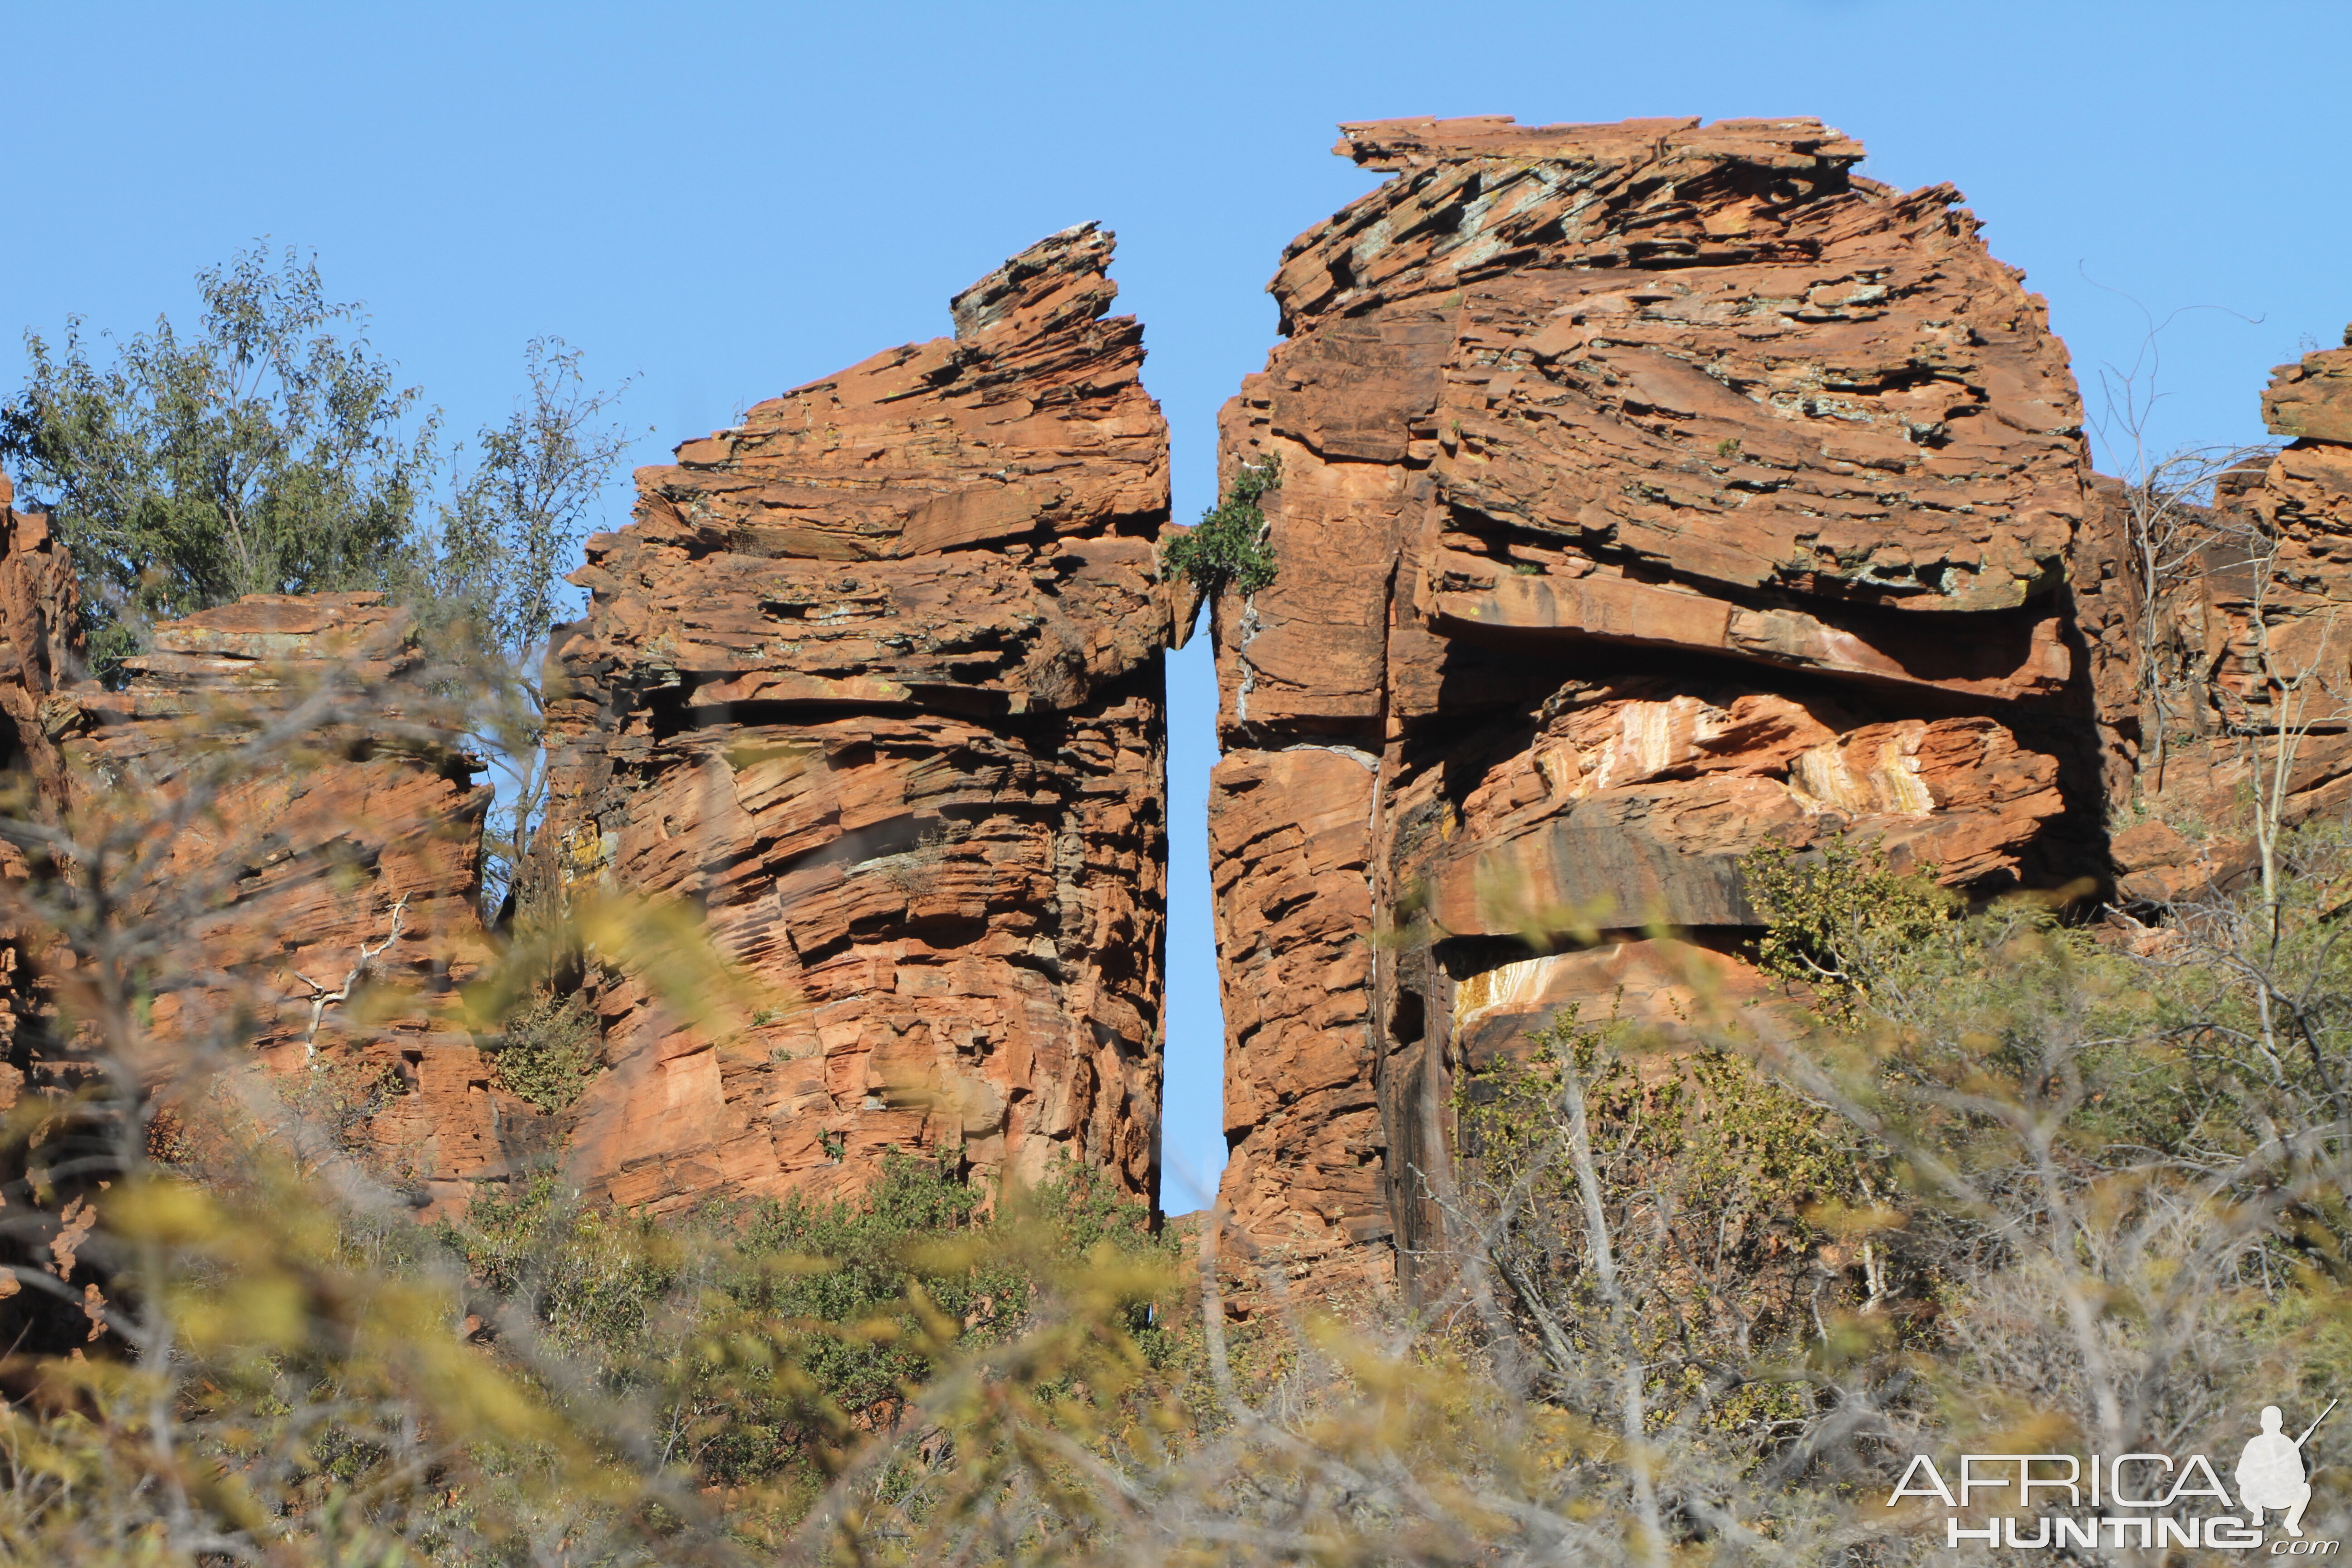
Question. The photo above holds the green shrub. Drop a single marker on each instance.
(1711, 1176)
(1843, 922)
(549, 1051)
(774, 1333)
(1228, 544)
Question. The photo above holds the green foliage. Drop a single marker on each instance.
(548, 1050)
(1719, 1185)
(1228, 544)
(261, 454)
(300, 1353)
(1753, 1156)
(2143, 1119)
(1844, 922)
(511, 528)
(265, 453)
(771, 1334)
(2018, 1176)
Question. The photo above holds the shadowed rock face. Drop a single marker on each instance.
(1647, 491)
(873, 679)
(40, 646)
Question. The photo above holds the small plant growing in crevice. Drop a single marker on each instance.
(1228, 544)
(915, 874)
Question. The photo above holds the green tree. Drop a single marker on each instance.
(486, 579)
(260, 454)
(512, 525)
(266, 454)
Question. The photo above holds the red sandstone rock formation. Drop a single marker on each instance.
(873, 680)
(2230, 656)
(1647, 491)
(315, 833)
(40, 645)
(40, 640)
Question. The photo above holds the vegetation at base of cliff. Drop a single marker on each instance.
(1698, 1296)
(1844, 922)
(1229, 544)
(770, 1335)
(1717, 1186)
(1791, 1255)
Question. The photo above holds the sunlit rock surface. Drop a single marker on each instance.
(873, 679)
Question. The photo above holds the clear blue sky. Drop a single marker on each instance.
(726, 200)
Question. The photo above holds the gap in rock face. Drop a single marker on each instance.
(1191, 1126)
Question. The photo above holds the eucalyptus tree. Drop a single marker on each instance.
(260, 453)
(271, 450)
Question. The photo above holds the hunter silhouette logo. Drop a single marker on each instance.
(2271, 1473)
(2150, 1501)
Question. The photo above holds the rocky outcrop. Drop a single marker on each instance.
(304, 830)
(873, 682)
(1637, 496)
(1290, 875)
(2227, 673)
(40, 650)
(40, 641)
(1647, 492)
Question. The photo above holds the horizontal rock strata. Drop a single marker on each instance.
(1638, 495)
(1646, 492)
(873, 682)
(1291, 881)
(311, 833)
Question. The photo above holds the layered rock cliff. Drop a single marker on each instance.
(1639, 494)
(1647, 492)
(873, 681)
(301, 833)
